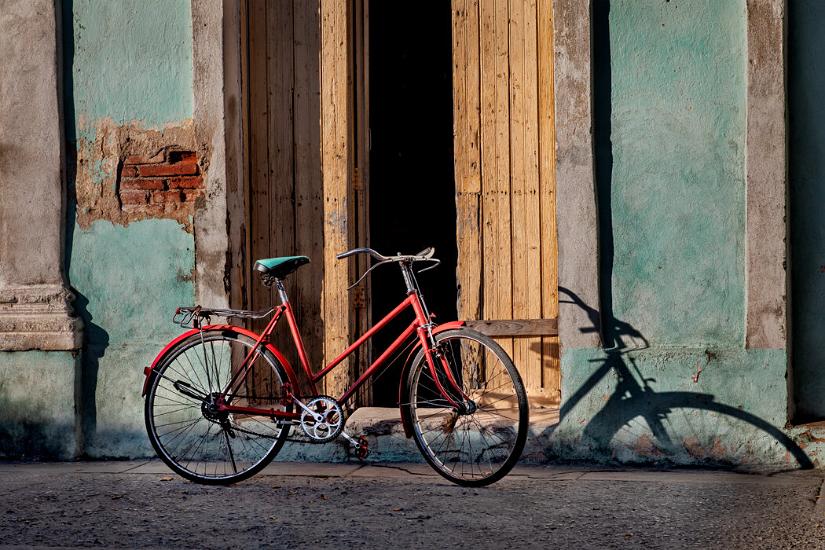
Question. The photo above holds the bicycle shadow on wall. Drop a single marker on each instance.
(634, 422)
(638, 424)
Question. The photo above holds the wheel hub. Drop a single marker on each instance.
(466, 408)
(210, 410)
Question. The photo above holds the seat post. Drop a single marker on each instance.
(281, 291)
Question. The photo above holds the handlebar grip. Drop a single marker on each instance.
(362, 250)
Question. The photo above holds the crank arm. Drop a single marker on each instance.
(351, 440)
(317, 417)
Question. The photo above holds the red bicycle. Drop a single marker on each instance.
(221, 400)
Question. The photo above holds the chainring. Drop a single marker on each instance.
(326, 422)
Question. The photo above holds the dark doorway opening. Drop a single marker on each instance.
(412, 186)
(806, 136)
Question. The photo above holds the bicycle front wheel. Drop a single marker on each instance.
(479, 445)
(193, 439)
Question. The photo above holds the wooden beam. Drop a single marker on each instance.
(515, 328)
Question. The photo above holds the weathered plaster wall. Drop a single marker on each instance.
(128, 91)
(806, 87)
(675, 381)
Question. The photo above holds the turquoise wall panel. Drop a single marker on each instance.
(675, 191)
(657, 405)
(128, 61)
(129, 281)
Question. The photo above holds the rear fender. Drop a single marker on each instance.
(231, 328)
(403, 389)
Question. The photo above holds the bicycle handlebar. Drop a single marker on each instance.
(425, 255)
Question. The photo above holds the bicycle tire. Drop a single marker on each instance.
(492, 437)
(195, 443)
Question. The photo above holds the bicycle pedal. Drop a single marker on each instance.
(362, 448)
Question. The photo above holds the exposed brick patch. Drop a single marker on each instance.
(166, 196)
(108, 180)
(160, 183)
(142, 183)
(133, 197)
(186, 183)
(129, 172)
(190, 195)
(188, 168)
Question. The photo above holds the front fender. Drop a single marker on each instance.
(406, 421)
(171, 345)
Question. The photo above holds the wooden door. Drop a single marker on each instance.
(285, 185)
(505, 187)
(299, 146)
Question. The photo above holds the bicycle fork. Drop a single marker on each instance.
(435, 357)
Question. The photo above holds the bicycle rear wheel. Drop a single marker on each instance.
(480, 445)
(193, 439)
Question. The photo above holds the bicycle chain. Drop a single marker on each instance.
(250, 432)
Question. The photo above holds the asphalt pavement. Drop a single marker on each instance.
(299, 505)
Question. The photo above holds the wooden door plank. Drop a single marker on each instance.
(551, 374)
(487, 95)
(518, 181)
(360, 189)
(258, 113)
(308, 187)
(501, 283)
(532, 219)
(335, 170)
(246, 182)
(459, 20)
(280, 78)
(466, 123)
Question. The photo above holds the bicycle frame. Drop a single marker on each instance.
(420, 325)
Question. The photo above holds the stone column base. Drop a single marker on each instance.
(38, 317)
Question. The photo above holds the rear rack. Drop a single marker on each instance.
(192, 317)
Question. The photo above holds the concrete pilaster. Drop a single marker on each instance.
(35, 310)
(767, 177)
(575, 182)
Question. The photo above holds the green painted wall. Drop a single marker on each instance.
(677, 189)
(37, 400)
(670, 96)
(130, 62)
(806, 88)
(129, 281)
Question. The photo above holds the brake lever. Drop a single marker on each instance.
(367, 272)
(436, 263)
